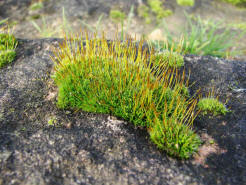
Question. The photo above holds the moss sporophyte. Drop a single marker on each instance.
(121, 79)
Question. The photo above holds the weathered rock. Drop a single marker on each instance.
(13, 9)
(84, 148)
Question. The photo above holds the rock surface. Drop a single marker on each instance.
(40, 144)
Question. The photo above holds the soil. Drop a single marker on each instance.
(41, 144)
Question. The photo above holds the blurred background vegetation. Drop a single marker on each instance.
(208, 27)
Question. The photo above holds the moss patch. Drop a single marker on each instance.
(8, 44)
(114, 79)
(211, 106)
(117, 15)
(156, 7)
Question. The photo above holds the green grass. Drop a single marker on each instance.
(119, 80)
(3, 21)
(202, 38)
(93, 29)
(44, 30)
(8, 44)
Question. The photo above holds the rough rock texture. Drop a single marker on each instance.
(14, 9)
(74, 8)
(40, 144)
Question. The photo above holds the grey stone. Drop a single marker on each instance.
(98, 149)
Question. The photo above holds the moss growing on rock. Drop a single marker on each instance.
(8, 44)
(116, 79)
(211, 106)
(6, 57)
(182, 143)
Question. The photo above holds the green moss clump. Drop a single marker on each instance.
(211, 106)
(182, 143)
(157, 8)
(6, 57)
(115, 79)
(8, 44)
(154, 10)
(143, 11)
(173, 59)
(7, 41)
(117, 15)
(186, 2)
(52, 121)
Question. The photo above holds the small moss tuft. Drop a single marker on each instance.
(117, 15)
(52, 121)
(7, 48)
(211, 106)
(157, 8)
(6, 57)
(182, 143)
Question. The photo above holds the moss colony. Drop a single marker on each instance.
(212, 106)
(146, 89)
(7, 49)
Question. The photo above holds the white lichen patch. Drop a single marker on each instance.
(208, 148)
(114, 123)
